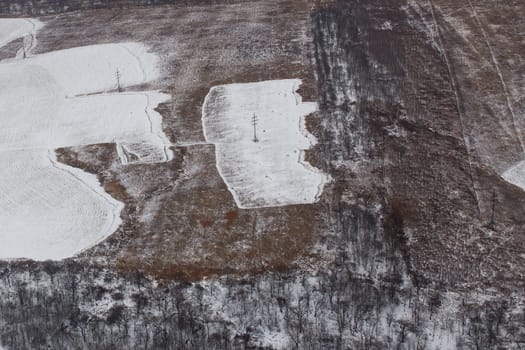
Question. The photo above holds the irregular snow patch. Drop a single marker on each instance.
(272, 171)
(49, 210)
(61, 99)
(387, 25)
(274, 340)
(516, 174)
(69, 98)
(93, 69)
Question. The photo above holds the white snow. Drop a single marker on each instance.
(14, 28)
(69, 98)
(272, 171)
(275, 340)
(387, 25)
(92, 69)
(50, 210)
(64, 98)
(47, 118)
(516, 174)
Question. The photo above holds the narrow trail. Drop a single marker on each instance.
(458, 106)
(191, 144)
(500, 75)
(32, 37)
(29, 42)
(166, 143)
(122, 153)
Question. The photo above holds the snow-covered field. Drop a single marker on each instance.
(69, 98)
(50, 210)
(61, 99)
(272, 171)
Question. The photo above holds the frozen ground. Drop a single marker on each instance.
(60, 99)
(272, 171)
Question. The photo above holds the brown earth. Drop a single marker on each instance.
(424, 127)
(438, 118)
(193, 227)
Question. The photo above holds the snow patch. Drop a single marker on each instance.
(516, 174)
(36, 113)
(49, 210)
(271, 171)
(275, 340)
(387, 25)
(61, 99)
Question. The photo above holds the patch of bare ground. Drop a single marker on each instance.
(180, 220)
(446, 167)
(416, 122)
(9, 50)
(488, 74)
(425, 132)
(484, 54)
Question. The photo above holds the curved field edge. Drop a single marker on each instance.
(56, 99)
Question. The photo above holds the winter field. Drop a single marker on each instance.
(60, 99)
(266, 169)
(417, 241)
(74, 97)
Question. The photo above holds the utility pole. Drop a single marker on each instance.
(492, 223)
(254, 122)
(118, 81)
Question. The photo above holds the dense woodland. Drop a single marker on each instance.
(68, 307)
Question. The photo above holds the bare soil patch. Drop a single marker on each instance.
(180, 220)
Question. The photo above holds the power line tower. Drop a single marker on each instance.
(254, 123)
(119, 88)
